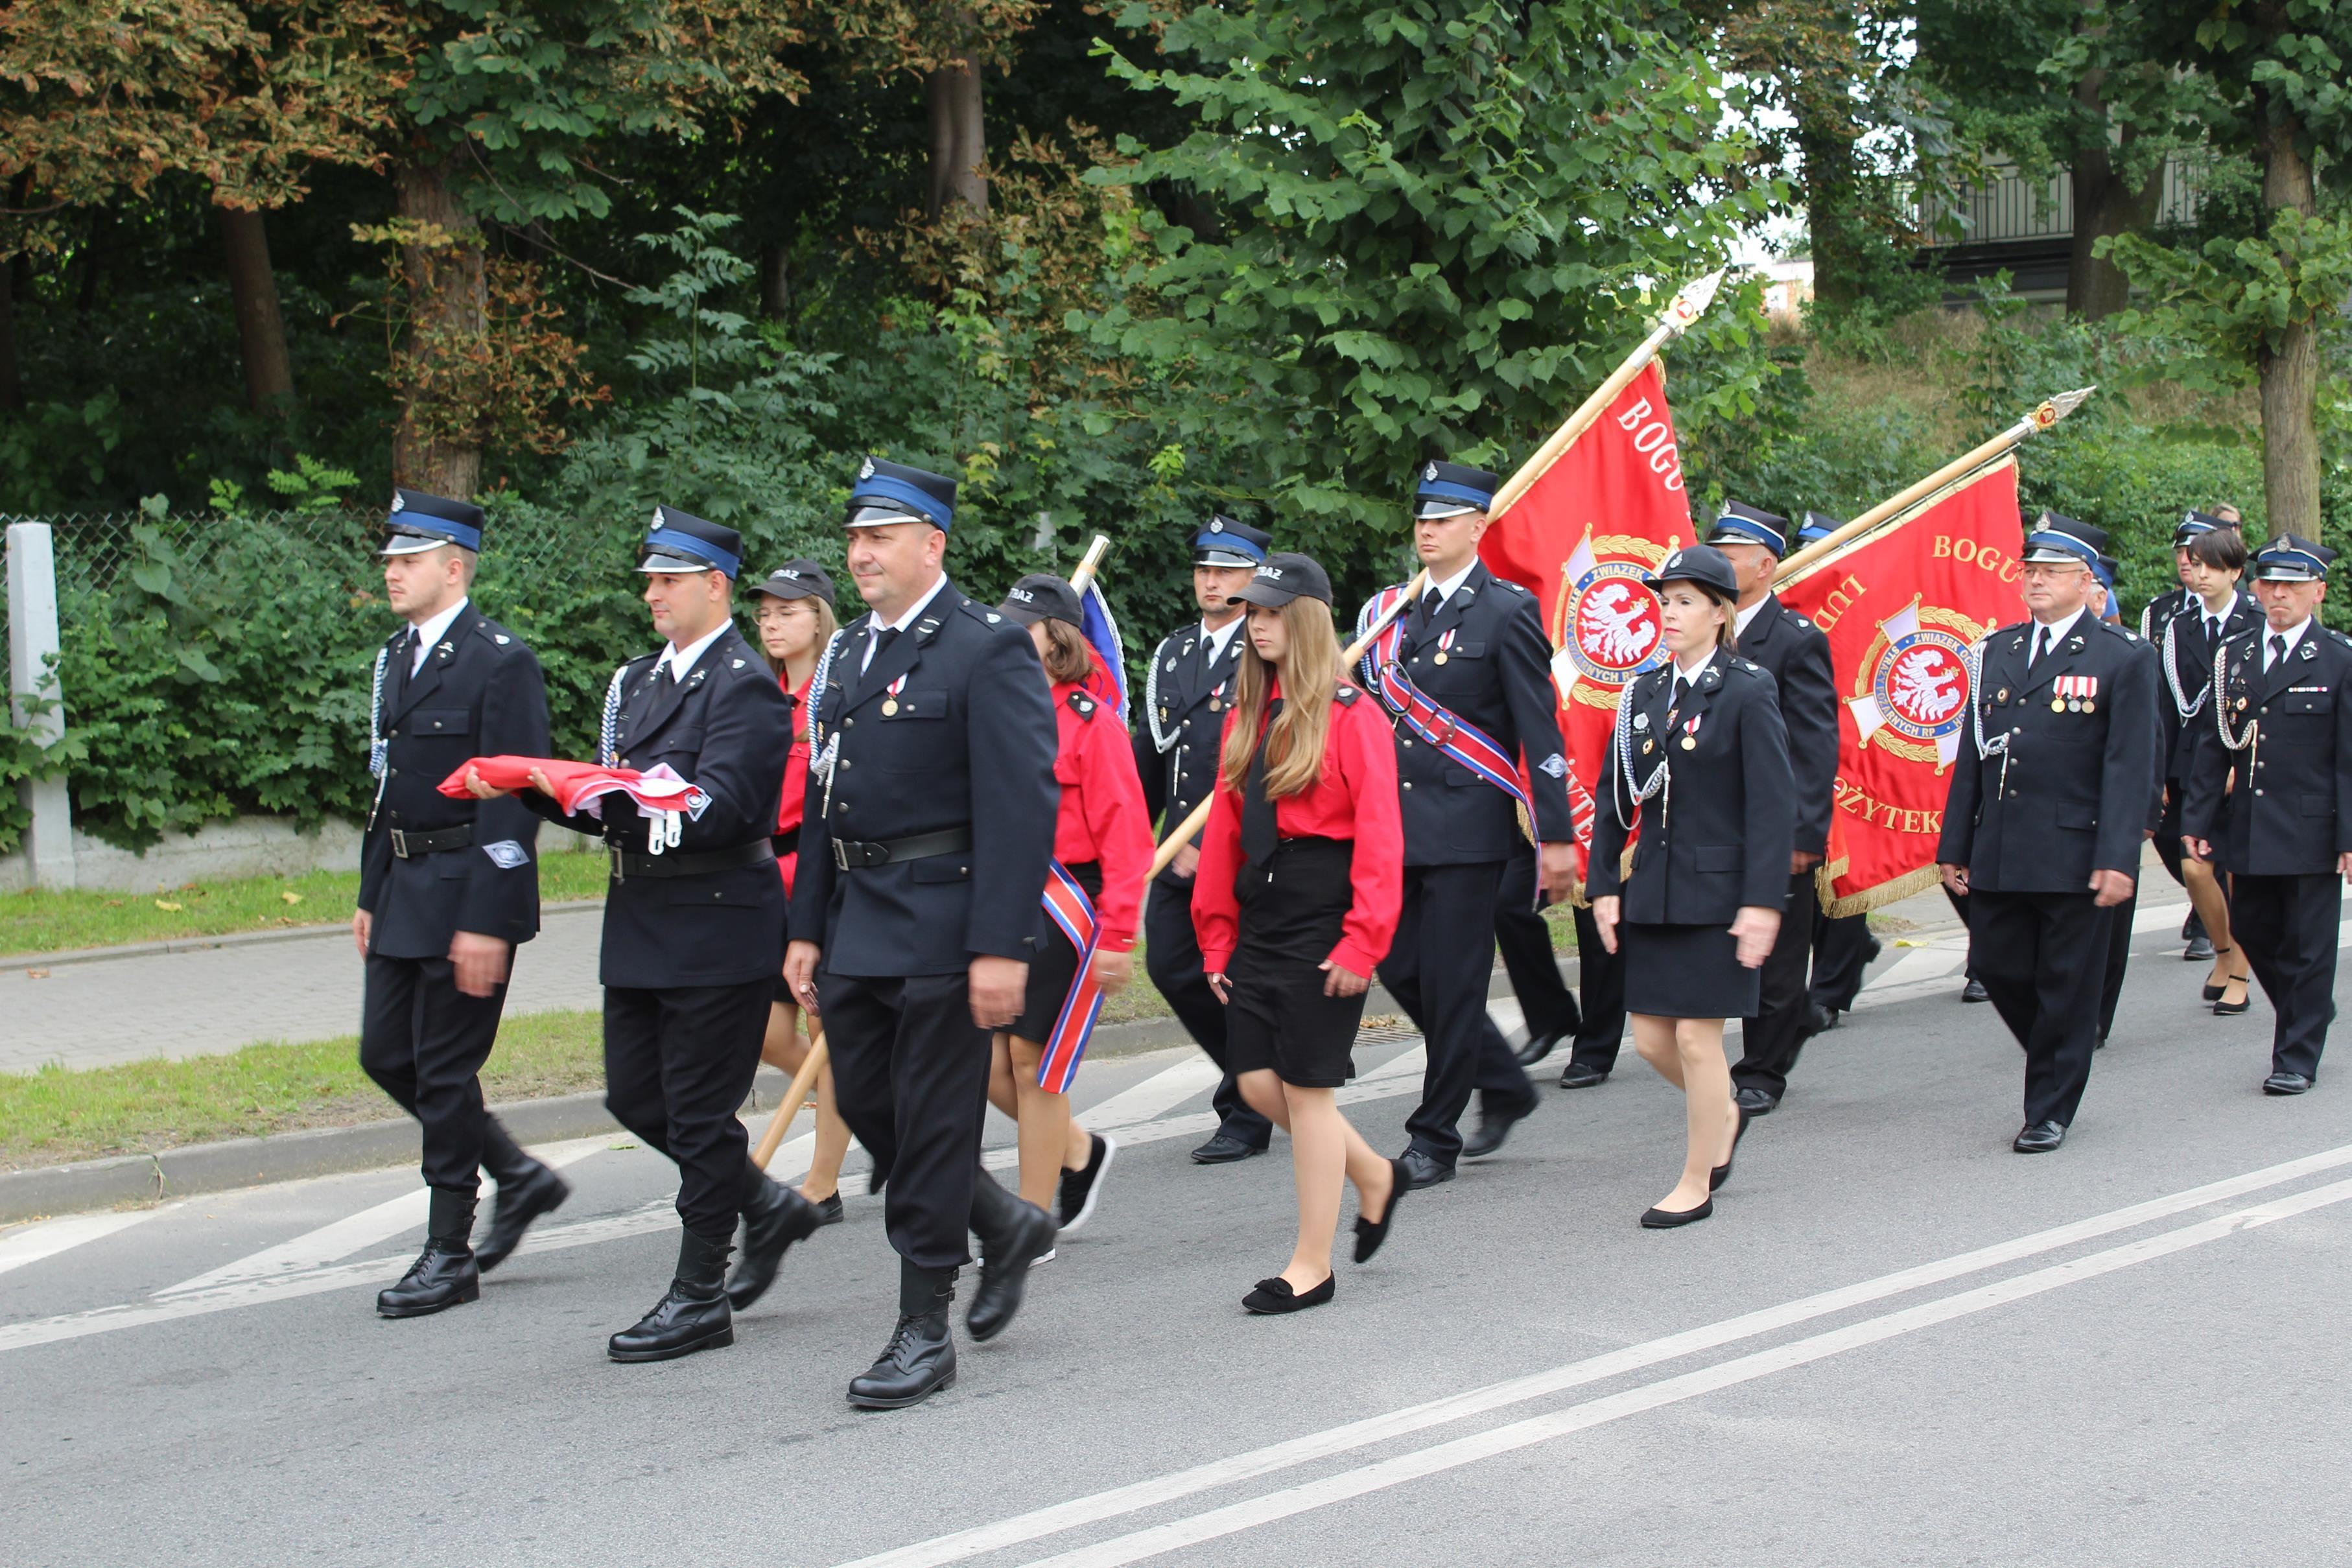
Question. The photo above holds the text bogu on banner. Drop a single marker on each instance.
(1606, 512)
(1901, 608)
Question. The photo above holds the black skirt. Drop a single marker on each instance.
(1686, 972)
(1292, 917)
(1056, 967)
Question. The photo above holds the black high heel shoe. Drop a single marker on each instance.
(1722, 1173)
(2213, 993)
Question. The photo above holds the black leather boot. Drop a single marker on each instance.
(527, 1189)
(444, 1274)
(920, 1358)
(774, 1217)
(1013, 1234)
(693, 1316)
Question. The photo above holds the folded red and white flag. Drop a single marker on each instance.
(658, 792)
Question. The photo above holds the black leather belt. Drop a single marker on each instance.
(408, 846)
(628, 863)
(786, 843)
(849, 854)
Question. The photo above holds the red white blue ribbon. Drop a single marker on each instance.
(1070, 909)
(1464, 743)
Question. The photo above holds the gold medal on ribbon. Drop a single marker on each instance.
(890, 706)
(1690, 743)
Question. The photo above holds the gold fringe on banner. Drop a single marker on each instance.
(1885, 892)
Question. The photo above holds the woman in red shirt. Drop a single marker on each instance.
(796, 620)
(1302, 872)
(1102, 839)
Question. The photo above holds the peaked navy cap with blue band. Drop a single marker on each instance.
(2194, 523)
(681, 542)
(2291, 558)
(1227, 542)
(886, 493)
(1742, 524)
(1450, 489)
(1818, 527)
(421, 521)
(2056, 539)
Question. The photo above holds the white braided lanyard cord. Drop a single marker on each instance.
(608, 734)
(1162, 739)
(2181, 703)
(1661, 778)
(379, 751)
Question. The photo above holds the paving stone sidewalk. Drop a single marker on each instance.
(214, 999)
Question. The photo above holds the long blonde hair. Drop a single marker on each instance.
(1294, 746)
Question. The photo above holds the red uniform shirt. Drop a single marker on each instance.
(795, 794)
(1102, 817)
(1355, 798)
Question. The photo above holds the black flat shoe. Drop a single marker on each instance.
(1722, 1173)
(1756, 1101)
(828, 1208)
(1583, 1075)
(1667, 1219)
(1539, 1046)
(2285, 1084)
(1224, 1149)
(1494, 1127)
(2212, 993)
(1974, 991)
(1274, 1296)
(2231, 1009)
(1370, 1233)
(2039, 1138)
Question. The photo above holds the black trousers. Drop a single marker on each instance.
(424, 1041)
(1524, 937)
(1600, 975)
(1438, 969)
(1841, 959)
(2043, 959)
(2119, 936)
(679, 1064)
(910, 1073)
(1172, 957)
(1777, 1033)
(2287, 926)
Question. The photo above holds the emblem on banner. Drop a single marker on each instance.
(1912, 691)
(1606, 623)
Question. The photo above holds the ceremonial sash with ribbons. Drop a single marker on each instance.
(1070, 909)
(1461, 742)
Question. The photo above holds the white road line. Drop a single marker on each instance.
(348, 1235)
(1158, 1491)
(31, 1243)
(1162, 1092)
(1461, 1451)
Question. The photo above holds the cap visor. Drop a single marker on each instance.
(883, 517)
(785, 589)
(1265, 593)
(1438, 511)
(1222, 557)
(1021, 614)
(2055, 558)
(675, 564)
(410, 544)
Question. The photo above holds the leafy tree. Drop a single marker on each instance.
(1439, 223)
(2277, 102)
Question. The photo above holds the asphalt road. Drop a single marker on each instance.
(1896, 1341)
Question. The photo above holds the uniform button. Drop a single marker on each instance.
(393, 735)
(1408, 784)
(847, 721)
(1408, 741)
(845, 762)
(2257, 791)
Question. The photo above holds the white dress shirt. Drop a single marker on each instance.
(873, 633)
(2293, 635)
(1445, 591)
(1219, 639)
(1740, 619)
(678, 661)
(2057, 630)
(432, 631)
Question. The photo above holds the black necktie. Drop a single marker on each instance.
(1259, 832)
(2212, 630)
(1431, 603)
(2041, 647)
(2278, 652)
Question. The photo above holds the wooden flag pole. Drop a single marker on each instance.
(1354, 651)
(1684, 310)
(781, 1121)
(2046, 414)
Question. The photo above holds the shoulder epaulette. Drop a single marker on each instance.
(982, 613)
(2341, 639)
(1082, 704)
(498, 635)
(1507, 583)
(1344, 696)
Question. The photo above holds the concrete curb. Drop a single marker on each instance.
(326, 1150)
(12, 962)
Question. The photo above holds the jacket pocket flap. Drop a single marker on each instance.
(930, 702)
(441, 721)
(685, 738)
(2076, 816)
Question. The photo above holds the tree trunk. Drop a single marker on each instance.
(959, 139)
(448, 305)
(12, 383)
(1833, 198)
(252, 297)
(775, 283)
(2104, 204)
(2290, 371)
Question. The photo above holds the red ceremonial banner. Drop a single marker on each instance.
(1902, 607)
(1608, 510)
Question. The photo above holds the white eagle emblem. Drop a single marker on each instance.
(1617, 625)
(1429, 472)
(1927, 686)
(657, 518)
(398, 504)
(865, 470)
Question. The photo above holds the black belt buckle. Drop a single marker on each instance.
(399, 843)
(849, 854)
(617, 853)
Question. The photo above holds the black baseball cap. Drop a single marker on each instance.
(1042, 596)
(801, 579)
(1287, 575)
(1705, 564)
